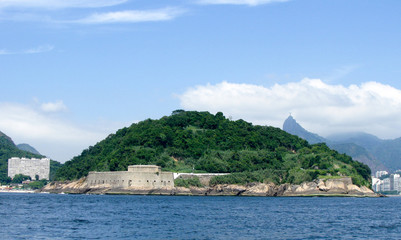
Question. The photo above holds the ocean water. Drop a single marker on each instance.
(48, 216)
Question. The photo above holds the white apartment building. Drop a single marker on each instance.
(31, 167)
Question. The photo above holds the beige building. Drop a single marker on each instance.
(141, 176)
(30, 167)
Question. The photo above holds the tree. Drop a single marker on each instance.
(19, 178)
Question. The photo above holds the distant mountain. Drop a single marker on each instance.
(365, 140)
(357, 145)
(387, 151)
(291, 126)
(28, 148)
(359, 154)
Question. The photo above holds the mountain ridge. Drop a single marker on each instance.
(28, 148)
(359, 145)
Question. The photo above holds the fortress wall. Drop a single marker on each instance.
(131, 179)
(144, 168)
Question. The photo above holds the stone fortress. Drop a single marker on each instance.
(31, 167)
(137, 176)
(149, 179)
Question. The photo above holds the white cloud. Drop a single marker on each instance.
(52, 136)
(132, 16)
(322, 108)
(39, 49)
(57, 106)
(57, 4)
(240, 2)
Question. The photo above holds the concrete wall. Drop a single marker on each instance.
(29, 167)
(151, 177)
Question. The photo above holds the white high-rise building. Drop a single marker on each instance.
(394, 182)
(381, 173)
(386, 185)
(30, 167)
(376, 182)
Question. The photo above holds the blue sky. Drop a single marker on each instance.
(73, 72)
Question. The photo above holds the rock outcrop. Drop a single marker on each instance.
(329, 187)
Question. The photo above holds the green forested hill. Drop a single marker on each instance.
(9, 150)
(200, 141)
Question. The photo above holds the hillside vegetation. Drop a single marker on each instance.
(199, 141)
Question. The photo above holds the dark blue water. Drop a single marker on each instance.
(45, 216)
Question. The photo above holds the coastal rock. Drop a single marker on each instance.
(320, 187)
(330, 187)
(226, 190)
(260, 189)
(78, 187)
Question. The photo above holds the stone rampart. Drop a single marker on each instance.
(151, 178)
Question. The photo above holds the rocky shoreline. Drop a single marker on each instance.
(330, 187)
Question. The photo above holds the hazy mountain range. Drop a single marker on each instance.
(28, 148)
(377, 153)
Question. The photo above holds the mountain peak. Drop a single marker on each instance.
(28, 148)
(291, 126)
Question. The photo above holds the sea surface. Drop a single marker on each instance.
(51, 216)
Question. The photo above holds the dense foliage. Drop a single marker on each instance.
(19, 178)
(200, 141)
(195, 182)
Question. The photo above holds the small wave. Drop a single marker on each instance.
(81, 221)
(386, 226)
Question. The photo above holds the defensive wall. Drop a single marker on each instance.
(30, 167)
(137, 176)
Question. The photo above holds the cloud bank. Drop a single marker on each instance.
(57, 4)
(132, 16)
(36, 50)
(325, 109)
(240, 2)
(57, 106)
(49, 134)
